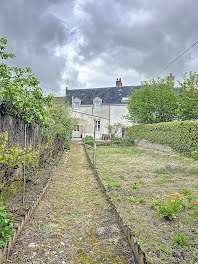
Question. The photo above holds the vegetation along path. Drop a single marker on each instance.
(73, 223)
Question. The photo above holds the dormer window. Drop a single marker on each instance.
(97, 103)
(76, 103)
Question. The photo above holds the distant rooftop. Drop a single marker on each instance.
(109, 95)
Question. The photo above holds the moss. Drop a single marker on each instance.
(12, 189)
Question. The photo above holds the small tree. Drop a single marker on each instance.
(154, 102)
(188, 98)
(113, 130)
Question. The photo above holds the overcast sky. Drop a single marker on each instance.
(89, 43)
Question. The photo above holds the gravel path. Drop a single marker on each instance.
(74, 223)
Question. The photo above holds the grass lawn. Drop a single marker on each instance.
(156, 194)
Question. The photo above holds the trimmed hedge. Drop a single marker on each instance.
(181, 136)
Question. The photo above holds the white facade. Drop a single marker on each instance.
(100, 114)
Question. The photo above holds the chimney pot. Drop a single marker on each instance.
(119, 82)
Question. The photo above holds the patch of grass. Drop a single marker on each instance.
(114, 185)
(168, 169)
(135, 186)
(180, 239)
(195, 186)
(161, 181)
(195, 213)
(115, 194)
(186, 192)
(141, 200)
(131, 199)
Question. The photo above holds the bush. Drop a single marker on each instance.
(89, 140)
(128, 142)
(181, 136)
(116, 140)
(194, 155)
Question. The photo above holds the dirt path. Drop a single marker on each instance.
(74, 223)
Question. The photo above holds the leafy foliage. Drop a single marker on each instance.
(116, 140)
(180, 239)
(14, 156)
(60, 125)
(188, 99)
(6, 225)
(89, 140)
(20, 94)
(154, 102)
(194, 155)
(170, 208)
(181, 136)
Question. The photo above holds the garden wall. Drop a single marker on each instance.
(15, 127)
(181, 136)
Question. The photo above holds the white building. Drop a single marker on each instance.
(99, 106)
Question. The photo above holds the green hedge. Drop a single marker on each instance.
(180, 136)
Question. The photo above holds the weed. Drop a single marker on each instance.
(180, 239)
(131, 199)
(154, 204)
(135, 186)
(186, 192)
(141, 200)
(119, 199)
(161, 181)
(114, 185)
(115, 194)
(195, 213)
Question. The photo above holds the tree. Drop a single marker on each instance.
(20, 94)
(154, 102)
(188, 98)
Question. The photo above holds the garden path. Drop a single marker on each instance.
(74, 223)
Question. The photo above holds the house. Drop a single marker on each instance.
(99, 106)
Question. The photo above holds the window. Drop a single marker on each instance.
(77, 128)
(97, 124)
(97, 104)
(76, 105)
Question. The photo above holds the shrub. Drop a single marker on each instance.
(180, 239)
(116, 140)
(6, 225)
(194, 155)
(181, 136)
(89, 140)
(128, 142)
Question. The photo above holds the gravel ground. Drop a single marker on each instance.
(74, 223)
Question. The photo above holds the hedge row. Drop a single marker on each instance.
(180, 136)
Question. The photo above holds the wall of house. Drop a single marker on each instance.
(115, 113)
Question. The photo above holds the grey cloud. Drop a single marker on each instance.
(34, 34)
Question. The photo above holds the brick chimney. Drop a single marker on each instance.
(119, 82)
(171, 77)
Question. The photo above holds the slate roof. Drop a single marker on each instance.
(109, 95)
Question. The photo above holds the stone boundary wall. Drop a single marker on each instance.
(5, 252)
(140, 255)
(147, 145)
(15, 127)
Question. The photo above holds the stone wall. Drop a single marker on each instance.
(15, 127)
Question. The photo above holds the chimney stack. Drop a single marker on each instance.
(119, 82)
(171, 78)
(66, 91)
